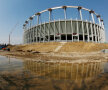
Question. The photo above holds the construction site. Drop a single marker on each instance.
(57, 64)
(63, 54)
(57, 50)
(89, 28)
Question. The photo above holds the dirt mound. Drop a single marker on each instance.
(83, 47)
(41, 47)
(67, 47)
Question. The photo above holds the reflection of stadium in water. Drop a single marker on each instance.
(65, 71)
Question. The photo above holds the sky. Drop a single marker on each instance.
(13, 14)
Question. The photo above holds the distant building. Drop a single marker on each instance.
(66, 30)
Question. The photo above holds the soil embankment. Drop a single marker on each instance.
(58, 51)
(67, 47)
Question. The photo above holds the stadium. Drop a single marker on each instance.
(64, 24)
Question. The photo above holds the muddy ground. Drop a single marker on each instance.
(73, 56)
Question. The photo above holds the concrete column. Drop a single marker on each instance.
(44, 33)
(30, 24)
(87, 30)
(30, 20)
(91, 12)
(80, 13)
(97, 30)
(40, 32)
(36, 34)
(91, 31)
(59, 29)
(98, 16)
(72, 29)
(26, 23)
(101, 34)
(104, 36)
(50, 10)
(92, 17)
(77, 29)
(23, 37)
(49, 32)
(24, 33)
(38, 19)
(103, 31)
(66, 30)
(28, 36)
(83, 31)
(27, 26)
(98, 33)
(54, 31)
(33, 34)
(65, 17)
(49, 16)
(102, 24)
(95, 33)
(37, 26)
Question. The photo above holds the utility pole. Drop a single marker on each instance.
(11, 32)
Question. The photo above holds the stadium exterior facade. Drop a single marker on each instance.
(66, 30)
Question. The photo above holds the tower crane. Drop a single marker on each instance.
(12, 31)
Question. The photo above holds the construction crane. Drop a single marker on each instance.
(12, 31)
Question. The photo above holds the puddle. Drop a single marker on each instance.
(15, 73)
(66, 71)
(10, 64)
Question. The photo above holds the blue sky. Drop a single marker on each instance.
(14, 12)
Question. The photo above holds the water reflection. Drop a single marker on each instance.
(106, 68)
(10, 64)
(67, 71)
(55, 70)
(41, 75)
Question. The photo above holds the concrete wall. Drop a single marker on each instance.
(69, 30)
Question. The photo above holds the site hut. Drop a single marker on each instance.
(81, 28)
